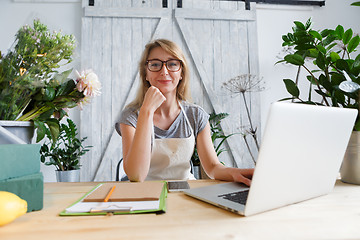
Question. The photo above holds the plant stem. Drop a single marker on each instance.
(297, 78)
(33, 114)
(248, 147)
(317, 83)
(252, 131)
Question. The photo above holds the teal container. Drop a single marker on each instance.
(17, 160)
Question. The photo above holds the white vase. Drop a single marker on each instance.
(16, 131)
(350, 168)
(68, 176)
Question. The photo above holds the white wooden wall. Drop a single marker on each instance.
(219, 39)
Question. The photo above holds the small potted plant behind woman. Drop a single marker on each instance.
(64, 152)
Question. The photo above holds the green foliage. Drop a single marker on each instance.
(327, 56)
(60, 93)
(26, 67)
(217, 136)
(29, 78)
(65, 151)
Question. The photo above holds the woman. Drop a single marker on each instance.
(159, 128)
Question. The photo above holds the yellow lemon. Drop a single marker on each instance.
(11, 207)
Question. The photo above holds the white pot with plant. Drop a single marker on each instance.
(333, 67)
(31, 86)
(64, 152)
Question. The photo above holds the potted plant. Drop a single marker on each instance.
(64, 152)
(31, 86)
(332, 65)
(217, 137)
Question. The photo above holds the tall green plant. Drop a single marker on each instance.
(329, 58)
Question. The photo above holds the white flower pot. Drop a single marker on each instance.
(68, 176)
(350, 168)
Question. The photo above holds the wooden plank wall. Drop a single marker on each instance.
(219, 39)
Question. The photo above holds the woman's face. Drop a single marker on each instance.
(166, 81)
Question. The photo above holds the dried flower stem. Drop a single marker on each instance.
(252, 130)
(248, 147)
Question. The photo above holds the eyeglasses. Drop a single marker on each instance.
(155, 65)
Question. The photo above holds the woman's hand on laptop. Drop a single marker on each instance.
(243, 175)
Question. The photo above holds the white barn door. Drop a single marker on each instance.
(219, 39)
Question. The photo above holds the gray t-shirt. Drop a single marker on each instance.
(178, 129)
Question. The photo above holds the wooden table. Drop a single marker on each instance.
(334, 216)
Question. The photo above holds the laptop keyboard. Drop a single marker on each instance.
(238, 197)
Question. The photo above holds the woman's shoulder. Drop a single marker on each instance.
(129, 116)
(188, 106)
(129, 110)
(194, 110)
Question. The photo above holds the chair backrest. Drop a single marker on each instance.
(118, 168)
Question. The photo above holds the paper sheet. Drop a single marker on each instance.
(82, 207)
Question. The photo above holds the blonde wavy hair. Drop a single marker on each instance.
(183, 89)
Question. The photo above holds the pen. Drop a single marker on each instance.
(109, 194)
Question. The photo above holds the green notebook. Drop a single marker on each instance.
(126, 198)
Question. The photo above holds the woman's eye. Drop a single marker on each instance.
(155, 64)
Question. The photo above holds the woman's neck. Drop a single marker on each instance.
(166, 114)
(168, 108)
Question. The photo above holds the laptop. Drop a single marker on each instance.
(300, 156)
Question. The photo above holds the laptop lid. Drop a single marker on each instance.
(300, 155)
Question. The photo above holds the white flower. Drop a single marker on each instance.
(88, 83)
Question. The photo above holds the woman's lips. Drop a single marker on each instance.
(164, 81)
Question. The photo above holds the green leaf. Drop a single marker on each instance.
(40, 130)
(324, 81)
(325, 32)
(280, 61)
(308, 23)
(320, 61)
(321, 49)
(315, 34)
(285, 38)
(54, 127)
(294, 59)
(342, 64)
(49, 94)
(356, 63)
(347, 36)
(61, 77)
(334, 56)
(313, 52)
(354, 42)
(328, 48)
(339, 31)
(66, 87)
(292, 88)
(299, 25)
(356, 4)
(329, 39)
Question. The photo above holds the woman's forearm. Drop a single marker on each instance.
(137, 160)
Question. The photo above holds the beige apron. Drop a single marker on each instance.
(170, 157)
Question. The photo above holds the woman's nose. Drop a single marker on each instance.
(164, 69)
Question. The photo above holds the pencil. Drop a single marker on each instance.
(109, 194)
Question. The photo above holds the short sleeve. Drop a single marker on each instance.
(197, 116)
(129, 117)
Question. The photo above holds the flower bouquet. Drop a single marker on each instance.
(31, 86)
